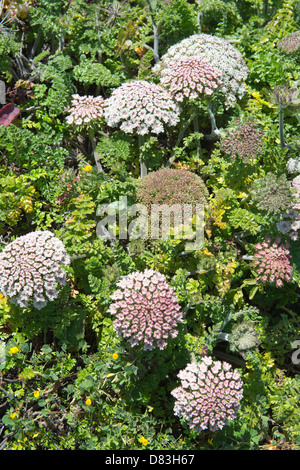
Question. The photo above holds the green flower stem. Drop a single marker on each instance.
(281, 131)
(143, 167)
(198, 142)
(214, 128)
(95, 154)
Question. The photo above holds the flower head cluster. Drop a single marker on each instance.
(146, 310)
(220, 54)
(190, 78)
(170, 186)
(272, 261)
(85, 110)
(290, 43)
(180, 190)
(293, 165)
(272, 193)
(244, 141)
(30, 268)
(142, 107)
(209, 395)
(290, 224)
(296, 189)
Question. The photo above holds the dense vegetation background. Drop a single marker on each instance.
(67, 381)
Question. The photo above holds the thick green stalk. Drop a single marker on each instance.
(281, 132)
(198, 143)
(95, 154)
(143, 167)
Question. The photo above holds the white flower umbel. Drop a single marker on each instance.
(221, 54)
(31, 267)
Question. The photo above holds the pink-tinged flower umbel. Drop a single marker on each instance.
(243, 141)
(209, 395)
(272, 262)
(85, 110)
(145, 310)
(290, 43)
(141, 107)
(218, 52)
(191, 78)
(31, 267)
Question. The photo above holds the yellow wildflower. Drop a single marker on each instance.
(13, 350)
(36, 393)
(114, 355)
(87, 168)
(88, 401)
(143, 441)
(14, 415)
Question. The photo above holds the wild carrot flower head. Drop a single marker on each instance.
(272, 262)
(243, 141)
(209, 395)
(31, 267)
(290, 43)
(85, 110)
(190, 78)
(145, 310)
(220, 54)
(142, 107)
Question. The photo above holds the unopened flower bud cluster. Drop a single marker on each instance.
(243, 141)
(209, 395)
(190, 78)
(145, 310)
(142, 107)
(220, 54)
(30, 268)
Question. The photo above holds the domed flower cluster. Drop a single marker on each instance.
(244, 141)
(293, 165)
(85, 110)
(170, 186)
(146, 310)
(220, 54)
(173, 188)
(190, 78)
(209, 395)
(272, 193)
(31, 267)
(272, 262)
(290, 43)
(142, 107)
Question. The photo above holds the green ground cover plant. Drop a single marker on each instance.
(110, 340)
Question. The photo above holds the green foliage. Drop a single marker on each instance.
(219, 17)
(29, 148)
(178, 19)
(89, 73)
